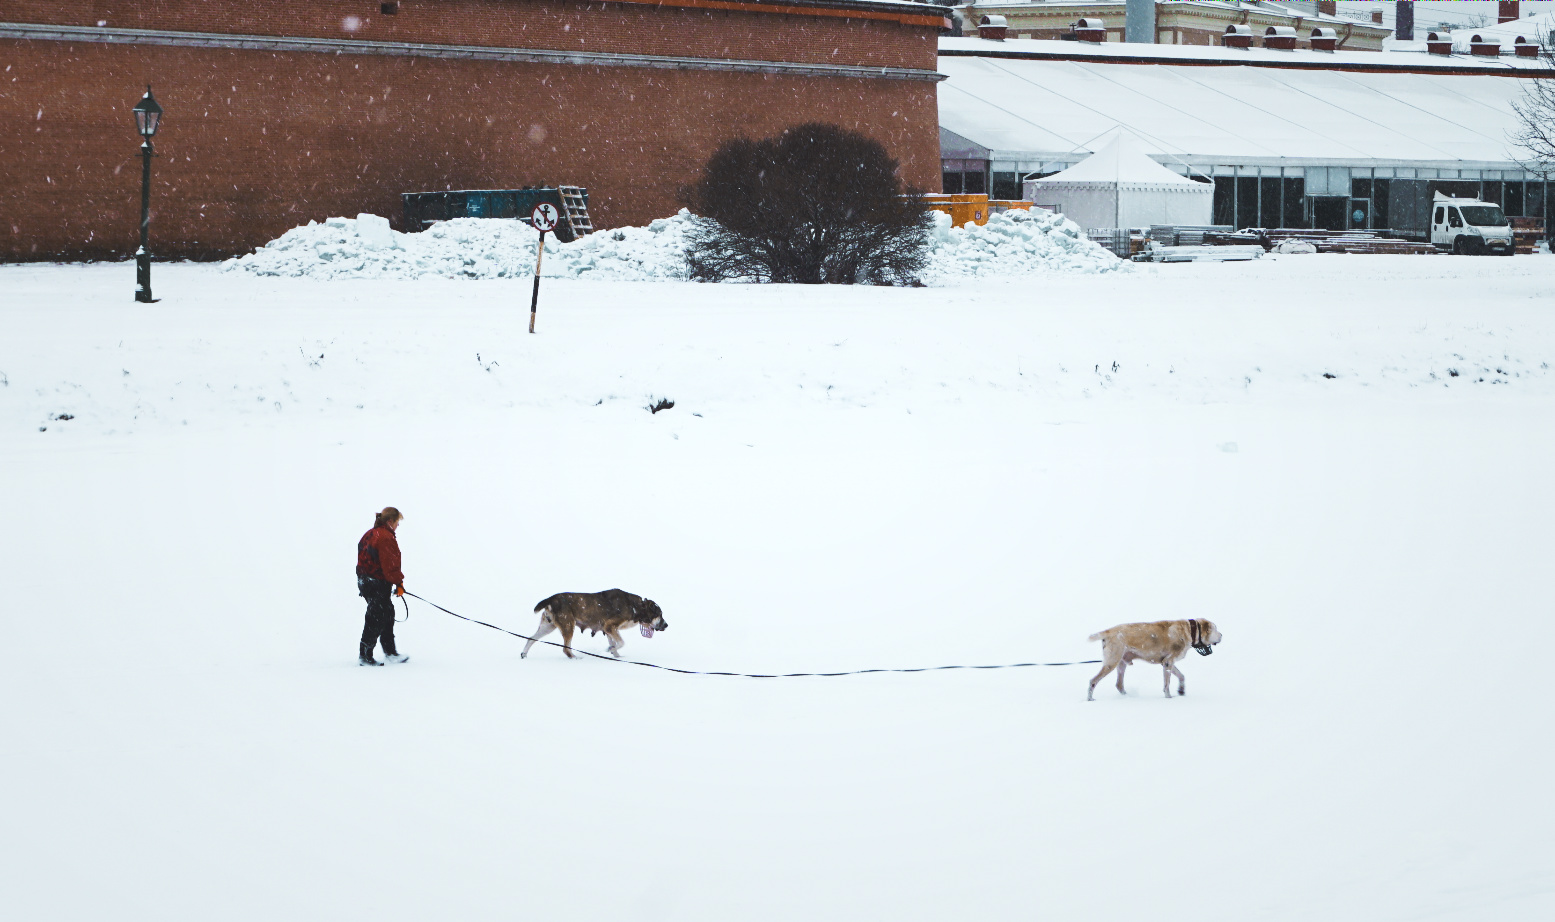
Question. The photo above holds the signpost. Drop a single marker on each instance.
(544, 219)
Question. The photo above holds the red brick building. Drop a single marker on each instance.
(287, 110)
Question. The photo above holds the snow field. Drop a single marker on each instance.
(1016, 244)
(850, 477)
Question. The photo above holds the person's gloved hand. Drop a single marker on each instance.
(400, 589)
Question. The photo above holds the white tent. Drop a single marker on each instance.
(1120, 186)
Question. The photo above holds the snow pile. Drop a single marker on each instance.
(1012, 243)
(473, 248)
(1015, 243)
(651, 253)
(343, 248)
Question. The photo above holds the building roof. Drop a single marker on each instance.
(1139, 53)
(1049, 108)
(1113, 10)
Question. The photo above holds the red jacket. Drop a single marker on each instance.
(378, 556)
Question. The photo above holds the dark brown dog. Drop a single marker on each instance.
(606, 611)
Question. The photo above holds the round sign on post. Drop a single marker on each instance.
(544, 217)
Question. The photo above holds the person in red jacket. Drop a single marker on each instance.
(377, 574)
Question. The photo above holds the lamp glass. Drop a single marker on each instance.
(148, 115)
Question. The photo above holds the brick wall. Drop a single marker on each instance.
(635, 28)
(255, 142)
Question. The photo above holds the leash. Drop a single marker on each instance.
(407, 608)
(741, 675)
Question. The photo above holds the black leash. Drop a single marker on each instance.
(742, 675)
(407, 607)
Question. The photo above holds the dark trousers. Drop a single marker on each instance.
(380, 616)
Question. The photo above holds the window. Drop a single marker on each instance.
(1295, 214)
(1225, 200)
(951, 183)
(1269, 201)
(1483, 215)
(1381, 190)
(1006, 186)
(1512, 199)
(1439, 215)
(1453, 218)
(389, 9)
(1456, 188)
(1246, 201)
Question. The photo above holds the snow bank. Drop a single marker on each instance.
(473, 248)
(1015, 243)
(366, 248)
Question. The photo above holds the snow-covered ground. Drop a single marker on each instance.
(858, 477)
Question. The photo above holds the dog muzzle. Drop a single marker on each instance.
(1204, 649)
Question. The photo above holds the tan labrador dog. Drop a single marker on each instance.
(1162, 642)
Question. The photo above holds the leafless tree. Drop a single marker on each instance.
(1535, 134)
(816, 204)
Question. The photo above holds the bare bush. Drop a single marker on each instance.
(816, 204)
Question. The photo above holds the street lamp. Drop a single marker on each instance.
(148, 115)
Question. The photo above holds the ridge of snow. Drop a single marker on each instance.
(1013, 244)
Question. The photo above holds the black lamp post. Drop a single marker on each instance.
(147, 116)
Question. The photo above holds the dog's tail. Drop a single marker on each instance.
(546, 602)
(1099, 635)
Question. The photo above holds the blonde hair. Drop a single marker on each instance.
(388, 516)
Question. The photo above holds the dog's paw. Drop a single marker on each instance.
(524, 655)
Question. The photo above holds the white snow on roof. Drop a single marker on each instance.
(1029, 109)
(1406, 58)
(1535, 29)
(1122, 160)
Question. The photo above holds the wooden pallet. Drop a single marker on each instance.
(1526, 234)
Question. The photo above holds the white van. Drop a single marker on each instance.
(1465, 225)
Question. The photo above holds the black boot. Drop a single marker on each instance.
(364, 656)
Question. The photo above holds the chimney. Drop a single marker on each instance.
(1327, 7)
(1488, 48)
(1324, 40)
(1237, 36)
(1508, 11)
(1438, 42)
(1090, 30)
(1525, 48)
(1404, 21)
(1280, 38)
(993, 27)
(1139, 22)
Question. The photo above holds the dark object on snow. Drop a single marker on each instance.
(1327, 375)
(423, 209)
(663, 403)
(379, 626)
(816, 204)
(377, 575)
(607, 611)
(63, 416)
